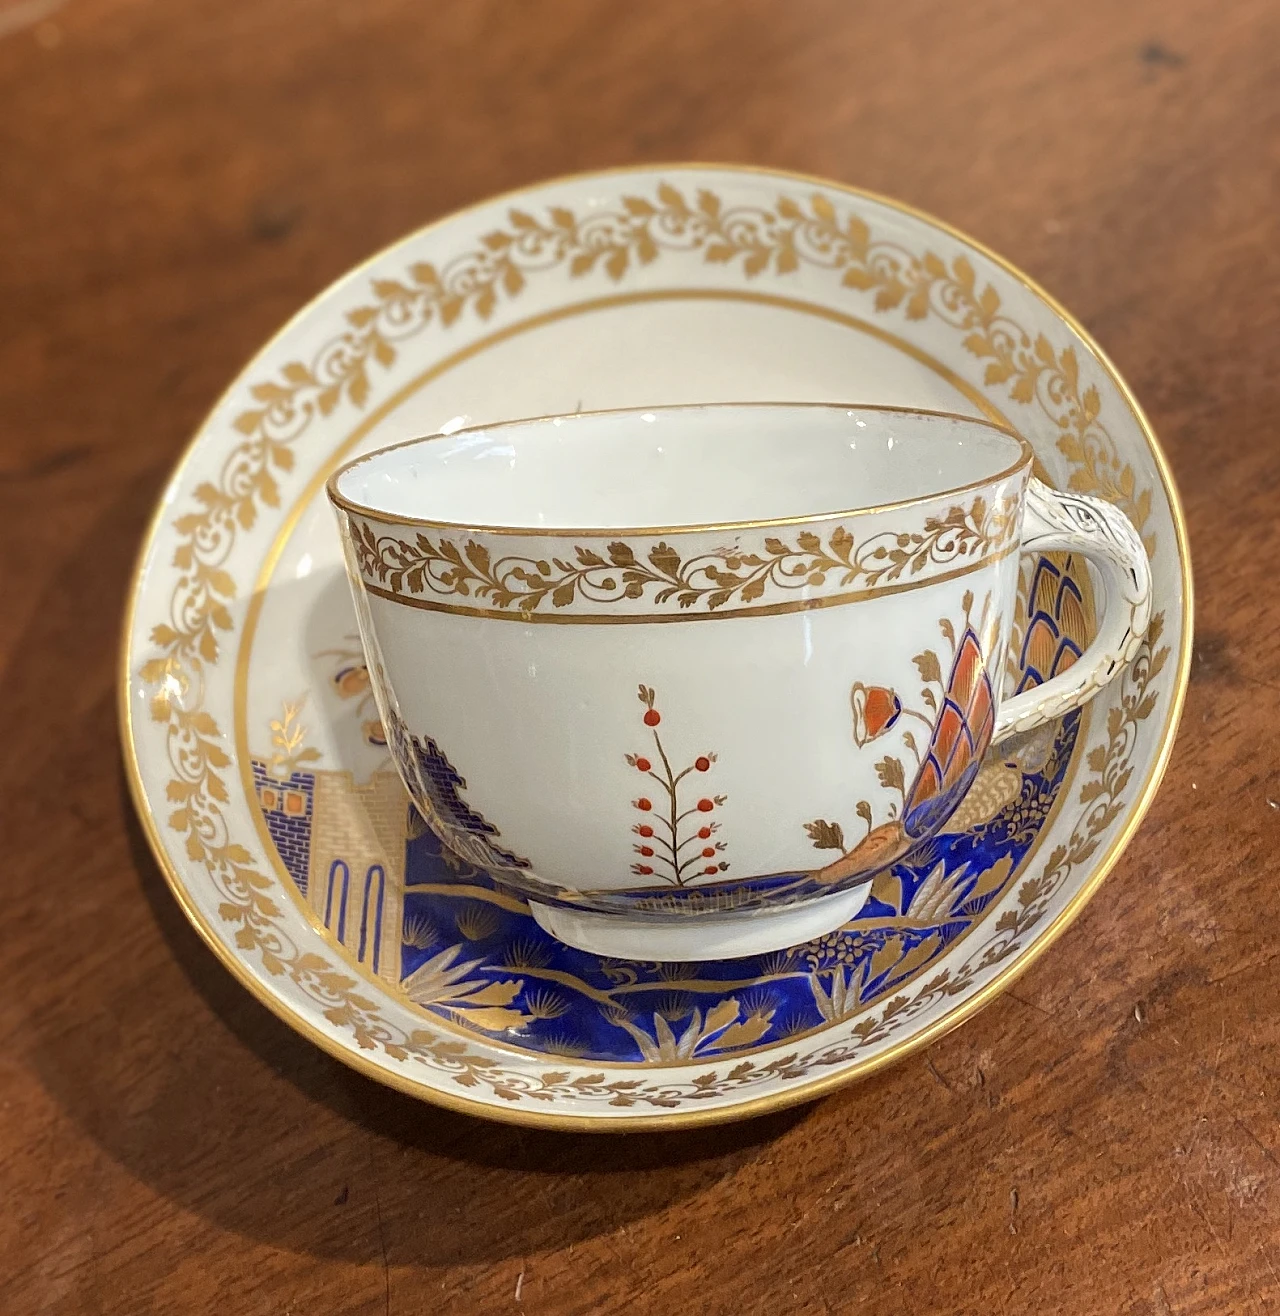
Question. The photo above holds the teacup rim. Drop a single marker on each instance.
(1025, 461)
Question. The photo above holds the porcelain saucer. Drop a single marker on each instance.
(254, 752)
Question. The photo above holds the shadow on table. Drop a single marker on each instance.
(181, 1077)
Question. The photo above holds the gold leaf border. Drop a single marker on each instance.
(519, 583)
(780, 239)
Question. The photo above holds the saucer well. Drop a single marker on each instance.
(258, 764)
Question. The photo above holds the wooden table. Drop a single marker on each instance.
(174, 180)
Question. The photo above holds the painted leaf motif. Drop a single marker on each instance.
(885, 958)
(494, 1020)
(820, 998)
(720, 1015)
(825, 835)
(689, 1039)
(858, 277)
(444, 981)
(750, 1030)
(842, 543)
(822, 208)
(937, 894)
(666, 1048)
(478, 556)
(916, 956)
(497, 993)
(993, 878)
(665, 559)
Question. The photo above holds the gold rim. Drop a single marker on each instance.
(1026, 456)
(803, 1092)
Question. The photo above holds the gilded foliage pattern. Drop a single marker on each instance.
(737, 575)
(781, 238)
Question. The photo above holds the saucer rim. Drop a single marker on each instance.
(801, 1093)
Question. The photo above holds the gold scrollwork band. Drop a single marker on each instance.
(614, 581)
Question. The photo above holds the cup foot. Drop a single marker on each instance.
(704, 936)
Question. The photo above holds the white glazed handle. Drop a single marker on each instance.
(1102, 533)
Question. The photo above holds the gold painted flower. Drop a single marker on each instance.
(875, 710)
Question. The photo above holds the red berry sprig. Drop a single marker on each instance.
(669, 781)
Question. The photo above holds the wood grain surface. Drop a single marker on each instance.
(175, 179)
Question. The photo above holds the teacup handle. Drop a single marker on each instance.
(1102, 533)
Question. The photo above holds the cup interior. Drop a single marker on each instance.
(678, 467)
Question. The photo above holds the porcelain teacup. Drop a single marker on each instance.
(688, 678)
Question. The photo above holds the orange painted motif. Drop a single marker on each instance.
(961, 722)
